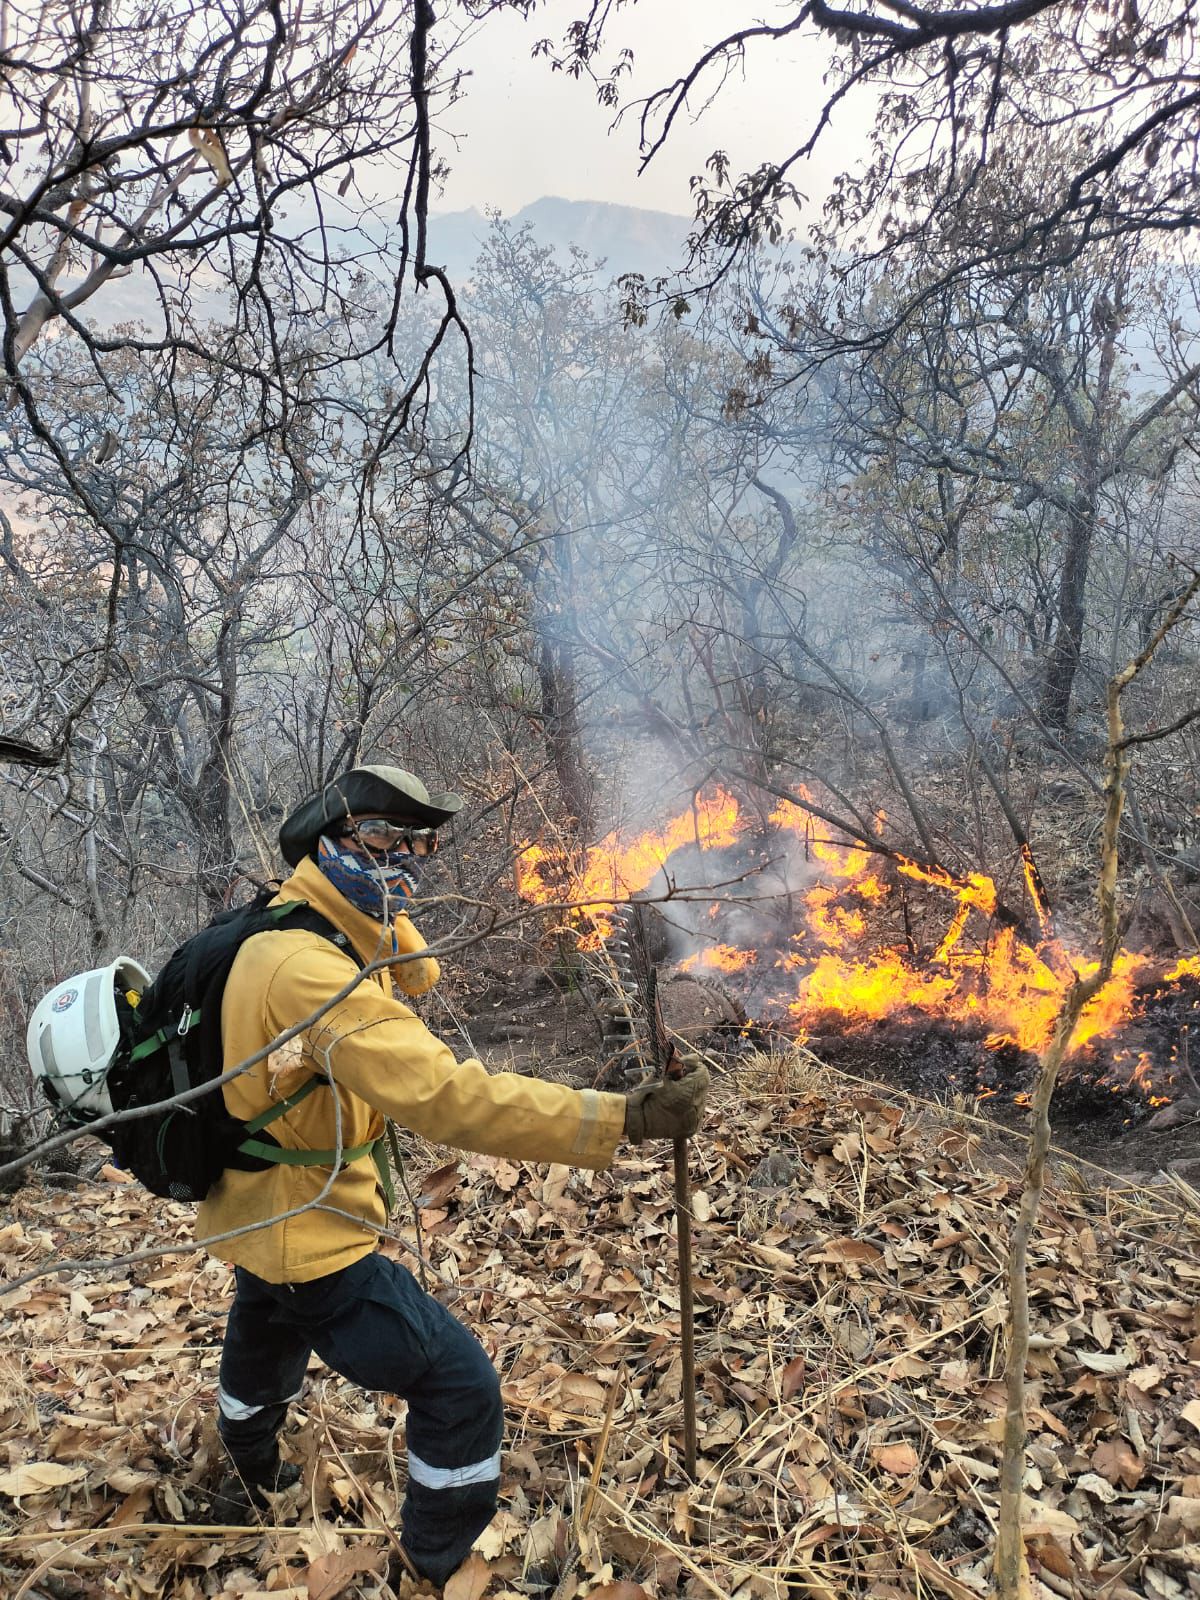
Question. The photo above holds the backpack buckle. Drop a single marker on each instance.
(185, 1022)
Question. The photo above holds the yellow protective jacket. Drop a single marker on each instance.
(382, 1061)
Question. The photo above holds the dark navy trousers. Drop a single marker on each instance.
(374, 1324)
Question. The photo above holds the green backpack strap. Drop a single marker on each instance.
(296, 1158)
(280, 1157)
(384, 1168)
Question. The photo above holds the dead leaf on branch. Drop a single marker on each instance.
(209, 144)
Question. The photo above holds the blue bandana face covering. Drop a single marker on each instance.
(374, 884)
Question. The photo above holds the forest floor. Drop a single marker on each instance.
(849, 1267)
(523, 1022)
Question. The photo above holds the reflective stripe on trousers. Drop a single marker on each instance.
(452, 1477)
(237, 1410)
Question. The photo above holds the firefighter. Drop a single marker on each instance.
(303, 1238)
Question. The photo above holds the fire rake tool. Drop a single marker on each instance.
(666, 1060)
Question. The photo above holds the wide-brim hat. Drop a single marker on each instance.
(363, 792)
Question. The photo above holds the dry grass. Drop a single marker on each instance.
(849, 1326)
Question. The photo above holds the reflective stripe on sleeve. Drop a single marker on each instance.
(452, 1477)
(589, 1115)
(238, 1411)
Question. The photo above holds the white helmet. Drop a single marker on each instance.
(74, 1032)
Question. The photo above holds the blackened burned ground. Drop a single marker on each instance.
(1092, 1115)
(937, 1061)
(1097, 1113)
(527, 1022)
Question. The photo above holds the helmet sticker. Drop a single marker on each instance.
(66, 1000)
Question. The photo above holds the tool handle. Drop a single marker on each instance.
(667, 1057)
(687, 1342)
(665, 1054)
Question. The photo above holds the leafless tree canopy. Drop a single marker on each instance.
(896, 522)
(1111, 85)
(209, 220)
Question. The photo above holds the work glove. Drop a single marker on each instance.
(668, 1109)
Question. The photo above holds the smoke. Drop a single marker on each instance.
(748, 896)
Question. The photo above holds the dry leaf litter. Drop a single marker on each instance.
(849, 1249)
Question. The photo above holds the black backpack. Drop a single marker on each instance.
(171, 1042)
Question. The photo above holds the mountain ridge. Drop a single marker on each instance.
(625, 238)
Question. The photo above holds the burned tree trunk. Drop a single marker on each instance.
(1062, 664)
(1082, 510)
(562, 733)
(211, 797)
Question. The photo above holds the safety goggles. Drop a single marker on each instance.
(381, 836)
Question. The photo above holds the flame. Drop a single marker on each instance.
(614, 870)
(980, 972)
(1035, 886)
(720, 958)
(1140, 1075)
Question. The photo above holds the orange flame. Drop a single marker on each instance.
(720, 958)
(1012, 989)
(614, 870)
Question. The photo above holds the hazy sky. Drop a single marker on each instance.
(524, 131)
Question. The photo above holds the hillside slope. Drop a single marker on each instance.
(850, 1264)
(626, 238)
